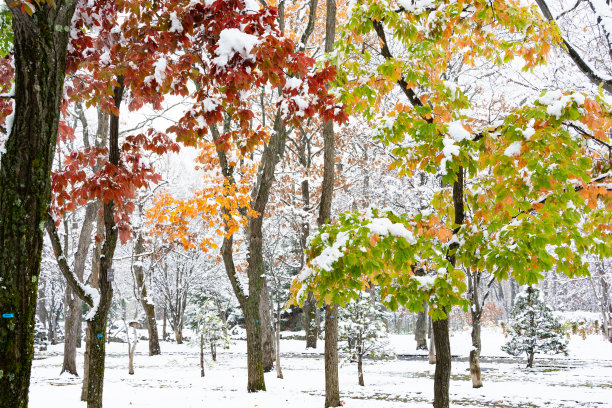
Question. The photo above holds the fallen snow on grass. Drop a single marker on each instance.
(173, 379)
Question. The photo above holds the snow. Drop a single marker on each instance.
(416, 6)
(176, 25)
(580, 380)
(556, 101)
(233, 41)
(457, 132)
(385, 227)
(514, 149)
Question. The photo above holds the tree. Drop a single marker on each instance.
(40, 54)
(362, 332)
(533, 328)
(498, 183)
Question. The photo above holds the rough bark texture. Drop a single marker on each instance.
(311, 324)
(332, 388)
(73, 301)
(40, 66)
(267, 328)
(443, 364)
(148, 308)
(420, 331)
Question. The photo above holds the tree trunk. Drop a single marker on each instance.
(279, 371)
(267, 328)
(97, 332)
(254, 355)
(149, 309)
(332, 388)
(164, 330)
(40, 67)
(360, 367)
(443, 364)
(432, 344)
(420, 331)
(178, 334)
(311, 325)
(71, 329)
(213, 350)
(202, 354)
(530, 360)
(475, 353)
(473, 279)
(75, 303)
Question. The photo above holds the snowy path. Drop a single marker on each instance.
(584, 379)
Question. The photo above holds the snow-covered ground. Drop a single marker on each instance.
(583, 379)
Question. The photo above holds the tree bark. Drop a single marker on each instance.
(267, 328)
(360, 367)
(432, 344)
(149, 309)
(201, 354)
(73, 301)
(443, 364)
(332, 388)
(420, 331)
(476, 314)
(475, 354)
(311, 325)
(255, 367)
(40, 67)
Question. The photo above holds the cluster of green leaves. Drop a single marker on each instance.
(409, 264)
(6, 32)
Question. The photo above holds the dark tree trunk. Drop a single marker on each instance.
(202, 354)
(254, 355)
(332, 388)
(443, 364)
(213, 350)
(311, 325)
(178, 333)
(164, 325)
(40, 66)
(148, 308)
(360, 367)
(420, 331)
(530, 360)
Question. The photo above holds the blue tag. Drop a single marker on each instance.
(331, 317)
(100, 335)
(257, 321)
(8, 315)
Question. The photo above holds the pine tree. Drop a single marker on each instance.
(533, 328)
(362, 331)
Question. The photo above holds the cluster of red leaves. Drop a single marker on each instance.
(87, 175)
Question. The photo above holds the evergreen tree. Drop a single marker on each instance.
(533, 328)
(362, 331)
